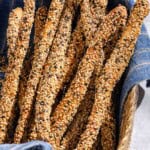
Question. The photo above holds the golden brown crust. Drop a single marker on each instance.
(40, 18)
(102, 109)
(11, 82)
(91, 15)
(13, 30)
(68, 106)
(40, 55)
(52, 78)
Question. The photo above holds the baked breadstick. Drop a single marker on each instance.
(11, 82)
(67, 108)
(80, 36)
(51, 80)
(40, 18)
(13, 30)
(111, 73)
(40, 54)
(91, 16)
(111, 44)
(90, 23)
(78, 124)
(12, 34)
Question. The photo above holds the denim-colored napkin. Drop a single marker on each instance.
(33, 145)
(139, 67)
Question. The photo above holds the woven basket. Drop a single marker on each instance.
(127, 119)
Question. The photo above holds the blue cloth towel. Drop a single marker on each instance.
(138, 70)
(139, 67)
(34, 145)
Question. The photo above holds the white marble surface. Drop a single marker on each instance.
(141, 130)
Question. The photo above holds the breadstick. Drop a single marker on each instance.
(51, 81)
(40, 54)
(112, 72)
(72, 136)
(40, 18)
(74, 53)
(91, 17)
(11, 82)
(77, 45)
(67, 108)
(13, 30)
(77, 126)
(12, 34)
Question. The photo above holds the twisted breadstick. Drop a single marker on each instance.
(40, 19)
(112, 72)
(67, 108)
(11, 82)
(40, 55)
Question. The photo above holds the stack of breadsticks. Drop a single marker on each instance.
(61, 82)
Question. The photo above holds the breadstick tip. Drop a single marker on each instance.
(18, 11)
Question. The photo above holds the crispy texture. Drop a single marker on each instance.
(80, 37)
(40, 19)
(40, 55)
(13, 29)
(12, 34)
(102, 109)
(51, 80)
(90, 19)
(78, 124)
(67, 108)
(11, 82)
(92, 14)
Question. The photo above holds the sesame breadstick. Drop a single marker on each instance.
(12, 34)
(112, 72)
(13, 30)
(40, 54)
(68, 106)
(108, 126)
(51, 80)
(111, 44)
(11, 82)
(40, 18)
(77, 45)
(91, 16)
(71, 138)
(78, 124)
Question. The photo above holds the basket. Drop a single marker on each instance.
(127, 118)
